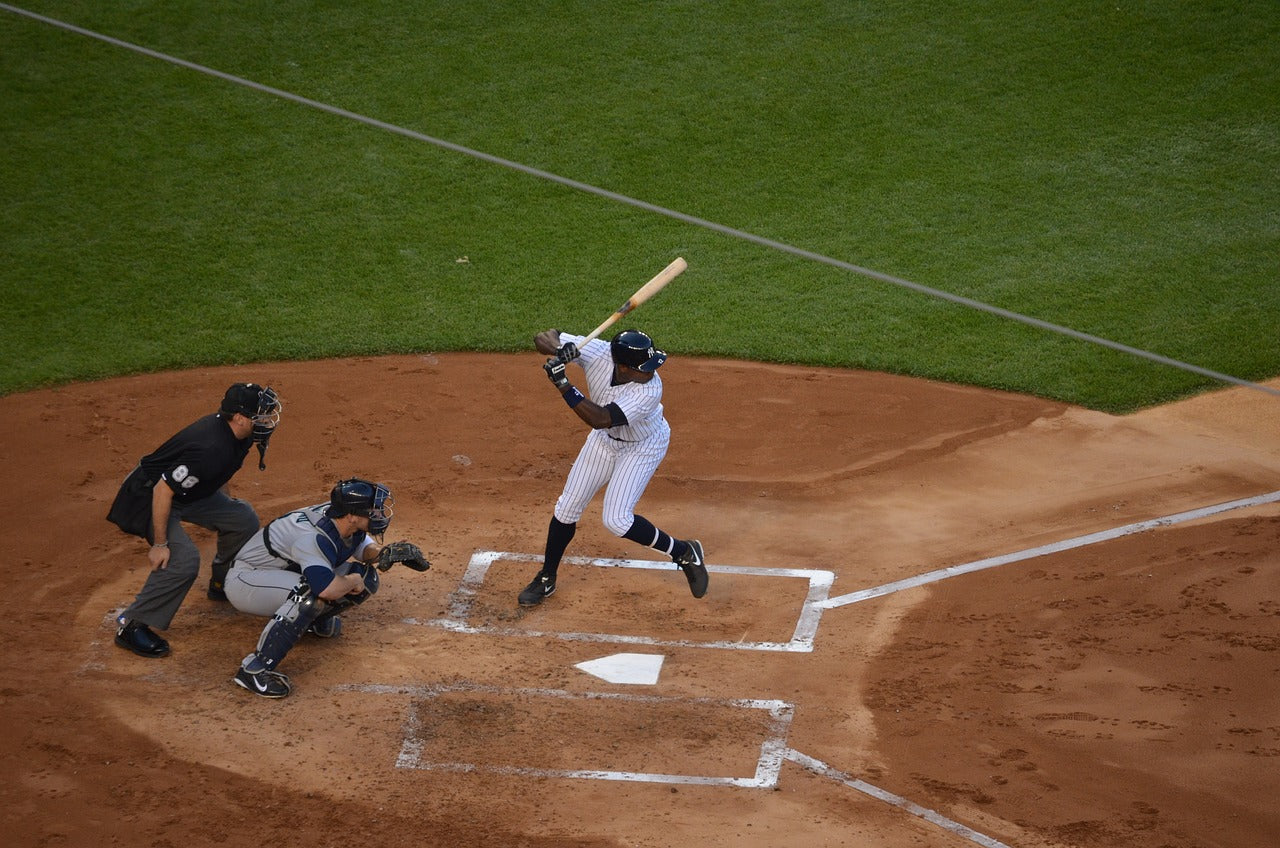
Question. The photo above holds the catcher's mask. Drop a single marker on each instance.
(259, 404)
(635, 349)
(361, 497)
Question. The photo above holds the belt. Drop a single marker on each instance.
(625, 441)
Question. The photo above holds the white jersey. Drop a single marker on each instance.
(641, 403)
(306, 542)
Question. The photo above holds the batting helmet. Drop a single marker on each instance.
(360, 497)
(635, 349)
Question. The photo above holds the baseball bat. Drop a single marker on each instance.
(642, 294)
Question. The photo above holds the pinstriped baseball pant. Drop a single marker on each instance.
(624, 467)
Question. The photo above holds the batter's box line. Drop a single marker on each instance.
(462, 599)
(773, 748)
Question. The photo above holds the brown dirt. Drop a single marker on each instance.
(1121, 693)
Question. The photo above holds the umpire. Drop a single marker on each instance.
(183, 480)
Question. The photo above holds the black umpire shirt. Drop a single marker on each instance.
(198, 460)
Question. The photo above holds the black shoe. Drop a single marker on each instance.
(692, 564)
(268, 684)
(215, 592)
(139, 638)
(541, 588)
(326, 628)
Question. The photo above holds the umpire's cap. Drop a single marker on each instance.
(250, 400)
(635, 349)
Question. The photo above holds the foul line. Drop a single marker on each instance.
(819, 767)
(650, 207)
(1065, 545)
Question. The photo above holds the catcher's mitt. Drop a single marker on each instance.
(407, 553)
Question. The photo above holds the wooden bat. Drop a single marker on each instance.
(642, 294)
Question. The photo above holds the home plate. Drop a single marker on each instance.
(639, 669)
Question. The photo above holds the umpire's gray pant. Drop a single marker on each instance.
(232, 519)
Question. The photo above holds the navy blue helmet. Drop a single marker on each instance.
(635, 349)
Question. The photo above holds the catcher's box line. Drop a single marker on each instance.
(802, 638)
(768, 767)
(773, 749)
(1052, 548)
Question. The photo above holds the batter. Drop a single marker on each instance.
(628, 440)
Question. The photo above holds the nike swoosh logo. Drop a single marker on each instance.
(260, 686)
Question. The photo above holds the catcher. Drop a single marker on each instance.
(308, 566)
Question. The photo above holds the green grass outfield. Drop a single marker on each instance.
(1111, 168)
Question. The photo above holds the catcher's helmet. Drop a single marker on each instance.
(635, 349)
(360, 497)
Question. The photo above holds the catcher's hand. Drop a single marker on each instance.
(407, 553)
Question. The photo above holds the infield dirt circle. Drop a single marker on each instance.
(1118, 693)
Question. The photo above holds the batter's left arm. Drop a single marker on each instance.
(592, 413)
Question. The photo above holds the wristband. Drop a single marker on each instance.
(161, 545)
(573, 397)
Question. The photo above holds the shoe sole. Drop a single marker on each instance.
(274, 695)
(129, 646)
(696, 573)
(533, 602)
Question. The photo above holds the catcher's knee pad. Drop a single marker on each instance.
(287, 625)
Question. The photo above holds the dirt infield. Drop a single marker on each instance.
(1118, 692)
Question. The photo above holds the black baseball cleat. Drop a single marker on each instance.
(141, 639)
(693, 565)
(268, 684)
(328, 627)
(536, 592)
(217, 590)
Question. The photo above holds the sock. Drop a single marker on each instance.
(643, 532)
(559, 535)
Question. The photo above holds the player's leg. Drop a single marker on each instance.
(163, 592)
(631, 477)
(259, 591)
(235, 522)
(328, 624)
(590, 471)
(257, 672)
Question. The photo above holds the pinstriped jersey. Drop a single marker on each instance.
(641, 403)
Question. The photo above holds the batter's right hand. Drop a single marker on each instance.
(555, 372)
(547, 342)
(567, 352)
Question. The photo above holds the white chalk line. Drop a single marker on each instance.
(773, 749)
(723, 229)
(819, 767)
(1055, 547)
(768, 764)
(802, 638)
